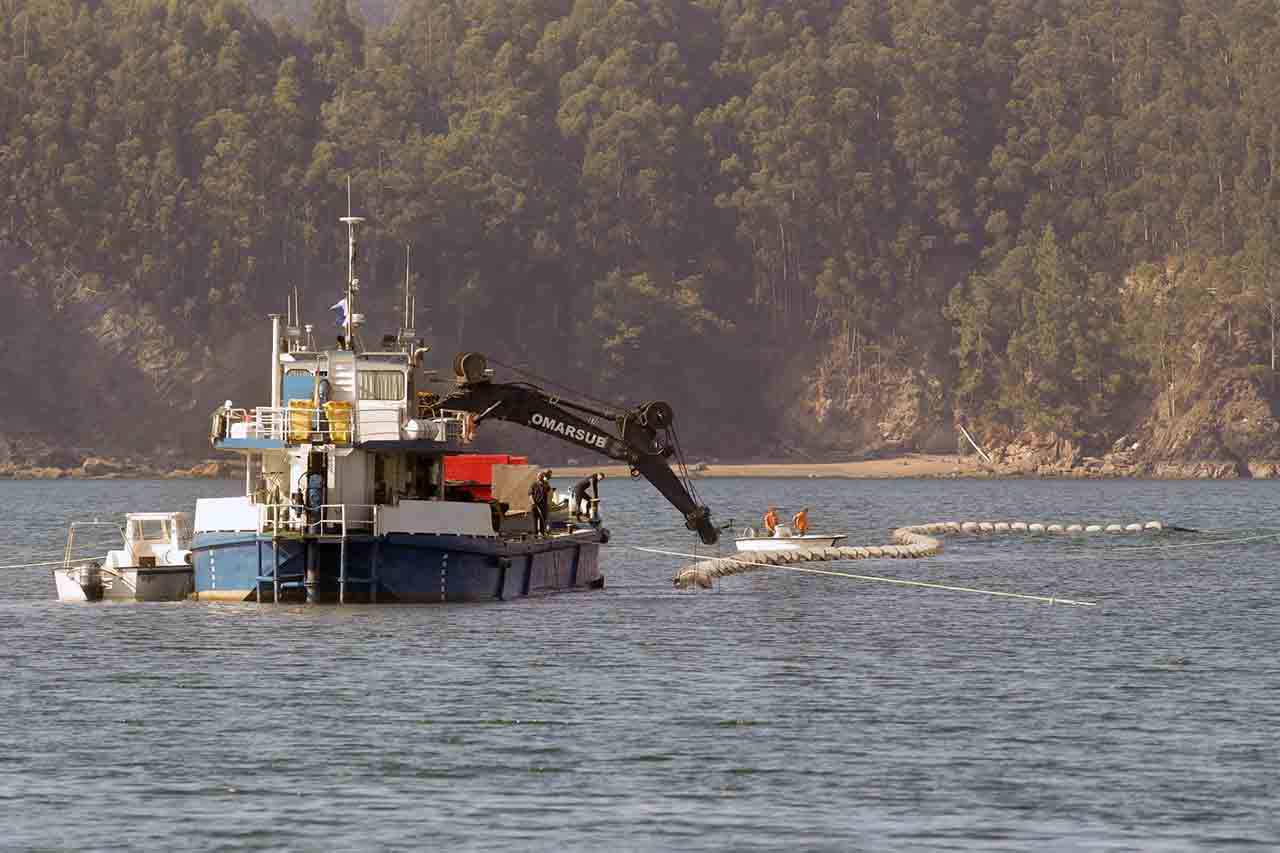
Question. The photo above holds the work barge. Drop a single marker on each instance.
(362, 485)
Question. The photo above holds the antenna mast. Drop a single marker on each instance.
(407, 330)
(353, 283)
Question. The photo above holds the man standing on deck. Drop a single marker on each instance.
(581, 502)
(540, 496)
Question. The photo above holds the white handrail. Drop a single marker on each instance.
(292, 518)
(259, 422)
(345, 524)
(274, 423)
(69, 550)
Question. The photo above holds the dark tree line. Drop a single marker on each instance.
(1038, 200)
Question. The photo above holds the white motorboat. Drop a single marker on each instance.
(785, 539)
(152, 564)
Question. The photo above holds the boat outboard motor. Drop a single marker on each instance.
(90, 580)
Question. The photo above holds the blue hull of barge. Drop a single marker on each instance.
(395, 568)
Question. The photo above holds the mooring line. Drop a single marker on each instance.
(1046, 598)
(32, 565)
(76, 556)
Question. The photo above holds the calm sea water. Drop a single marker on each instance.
(780, 711)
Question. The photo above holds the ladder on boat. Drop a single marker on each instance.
(282, 580)
(278, 581)
(344, 578)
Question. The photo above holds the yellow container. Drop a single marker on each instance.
(302, 414)
(338, 414)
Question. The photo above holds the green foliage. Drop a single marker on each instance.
(631, 187)
(642, 332)
(650, 342)
(1039, 341)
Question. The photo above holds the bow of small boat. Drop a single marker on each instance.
(787, 543)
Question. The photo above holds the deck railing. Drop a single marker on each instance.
(261, 422)
(327, 520)
(298, 423)
(339, 423)
(447, 424)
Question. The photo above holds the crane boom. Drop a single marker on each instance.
(635, 437)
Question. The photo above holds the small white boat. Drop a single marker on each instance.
(152, 564)
(784, 539)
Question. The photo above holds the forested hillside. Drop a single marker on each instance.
(812, 226)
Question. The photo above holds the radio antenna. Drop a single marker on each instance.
(353, 284)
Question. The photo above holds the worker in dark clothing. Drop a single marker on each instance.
(581, 499)
(540, 497)
(498, 509)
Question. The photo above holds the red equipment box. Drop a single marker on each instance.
(473, 472)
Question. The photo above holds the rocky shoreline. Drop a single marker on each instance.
(1050, 456)
(1026, 458)
(1090, 469)
(101, 468)
(922, 466)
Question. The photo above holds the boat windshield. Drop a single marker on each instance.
(149, 530)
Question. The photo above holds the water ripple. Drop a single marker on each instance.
(778, 711)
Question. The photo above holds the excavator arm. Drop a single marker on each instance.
(635, 437)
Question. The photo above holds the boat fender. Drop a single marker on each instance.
(605, 535)
(748, 533)
(502, 562)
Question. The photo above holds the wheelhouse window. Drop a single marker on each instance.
(298, 384)
(381, 385)
(150, 530)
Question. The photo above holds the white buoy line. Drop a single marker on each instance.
(1122, 550)
(910, 542)
(1050, 599)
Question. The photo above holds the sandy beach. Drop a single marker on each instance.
(907, 465)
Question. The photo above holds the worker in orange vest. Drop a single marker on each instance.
(800, 522)
(771, 520)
